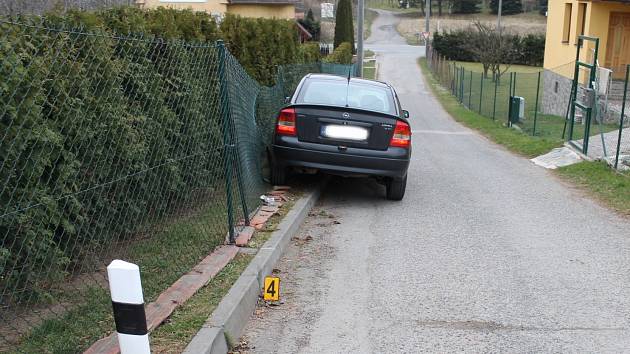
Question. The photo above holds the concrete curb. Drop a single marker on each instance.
(226, 324)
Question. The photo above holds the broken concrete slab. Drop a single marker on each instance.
(558, 157)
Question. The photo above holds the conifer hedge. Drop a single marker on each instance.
(102, 132)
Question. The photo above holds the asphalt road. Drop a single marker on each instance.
(486, 253)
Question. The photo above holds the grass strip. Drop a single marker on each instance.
(369, 73)
(496, 130)
(600, 181)
(162, 258)
(595, 178)
(179, 329)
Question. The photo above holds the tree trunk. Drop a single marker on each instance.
(439, 7)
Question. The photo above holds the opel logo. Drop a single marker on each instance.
(346, 115)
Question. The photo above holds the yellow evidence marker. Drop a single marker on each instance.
(271, 290)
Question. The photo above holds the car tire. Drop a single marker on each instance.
(396, 188)
(278, 175)
(265, 168)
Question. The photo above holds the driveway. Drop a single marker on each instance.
(486, 253)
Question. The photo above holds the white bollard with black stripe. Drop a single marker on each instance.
(128, 303)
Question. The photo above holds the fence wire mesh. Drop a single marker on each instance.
(125, 147)
(489, 95)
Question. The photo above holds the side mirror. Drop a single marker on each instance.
(287, 100)
(406, 114)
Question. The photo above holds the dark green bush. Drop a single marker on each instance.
(510, 7)
(310, 52)
(533, 49)
(528, 49)
(341, 55)
(344, 27)
(261, 45)
(101, 134)
(312, 26)
(466, 6)
(452, 44)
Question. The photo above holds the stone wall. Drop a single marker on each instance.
(556, 93)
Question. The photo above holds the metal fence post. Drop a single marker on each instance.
(536, 109)
(460, 89)
(494, 103)
(470, 90)
(227, 147)
(453, 79)
(461, 84)
(480, 92)
(510, 100)
(623, 112)
(514, 90)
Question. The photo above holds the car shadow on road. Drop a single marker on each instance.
(355, 190)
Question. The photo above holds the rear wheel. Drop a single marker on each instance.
(278, 174)
(396, 188)
(265, 167)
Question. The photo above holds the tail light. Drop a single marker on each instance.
(402, 135)
(286, 122)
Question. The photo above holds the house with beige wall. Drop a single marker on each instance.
(280, 9)
(607, 20)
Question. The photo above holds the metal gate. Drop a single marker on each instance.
(585, 101)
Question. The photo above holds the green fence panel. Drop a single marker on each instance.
(120, 147)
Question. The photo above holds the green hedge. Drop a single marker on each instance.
(103, 134)
(341, 55)
(529, 49)
(261, 45)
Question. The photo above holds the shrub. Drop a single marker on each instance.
(466, 6)
(510, 7)
(528, 49)
(452, 45)
(533, 49)
(310, 52)
(341, 55)
(344, 28)
(312, 26)
(81, 111)
(260, 45)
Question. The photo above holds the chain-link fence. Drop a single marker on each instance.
(123, 147)
(489, 94)
(547, 97)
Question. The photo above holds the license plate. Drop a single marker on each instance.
(345, 132)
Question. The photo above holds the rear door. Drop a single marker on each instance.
(344, 127)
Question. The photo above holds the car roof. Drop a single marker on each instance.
(324, 77)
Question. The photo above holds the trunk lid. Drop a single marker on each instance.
(343, 126)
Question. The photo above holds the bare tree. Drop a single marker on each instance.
(493, 49)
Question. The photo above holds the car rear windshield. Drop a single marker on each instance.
(355, 95)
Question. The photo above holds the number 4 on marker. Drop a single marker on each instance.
(271, 290)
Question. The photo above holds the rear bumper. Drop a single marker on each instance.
(350, 162)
